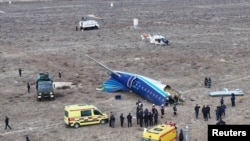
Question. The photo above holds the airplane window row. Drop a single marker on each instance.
(149, 92)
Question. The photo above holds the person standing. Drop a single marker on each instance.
(137, 114)
(141, 118)
(112, 118)
(150, 118)
(209, 82)
(7, 123)
(175, 109)
(205, 82)
(196, 109)
(155, 117)
(129, 118)
(28, 87)
(110, 121)
(122, 119)
(20, 72)
(181, 136)
(218, 112)
(59, 73)
(208, 111)
(162, 111)
(223, 110)
(27, 138)
(203, 110)
(153, 109)
(233, 99)
(146, 120)
(221, 101)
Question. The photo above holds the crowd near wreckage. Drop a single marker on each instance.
(149, 89)
(156, 39)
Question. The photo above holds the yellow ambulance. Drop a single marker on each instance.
(79, 115)
(163, 132)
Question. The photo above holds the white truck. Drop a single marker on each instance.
(86, 24)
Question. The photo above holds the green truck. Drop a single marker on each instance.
(44, 86)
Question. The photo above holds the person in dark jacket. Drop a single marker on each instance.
(175, 109)
(209, 82)
(203, 110)
(150, 118)
(208, 111)
(137, 115)
(145, 120)
(141, 118)
(223, 110)
(112, 118)
(205, 82)
(181, 136)
(110, 121)
(221, 101)
(27, 138)
(162, 111)
(7, 123)
(233, 99)
(155, 117)
(122, 119)
(20, 72)
(196, 109)
(129, 118)
(60, 73)
(28, 87)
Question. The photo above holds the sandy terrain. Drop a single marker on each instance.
(207, 38)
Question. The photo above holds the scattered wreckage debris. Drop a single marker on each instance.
(226, 92)
(156, 39)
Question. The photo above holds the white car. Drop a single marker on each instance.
(86, 24)
(226, 92)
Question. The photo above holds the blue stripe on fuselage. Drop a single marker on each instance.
(163, 93)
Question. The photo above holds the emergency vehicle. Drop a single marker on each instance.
(163, 132)
(79, 115)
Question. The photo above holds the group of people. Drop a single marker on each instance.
(207, 82)
(144, 117)
(205, 111)
(112, 120)
(220, 110)
(147, 117)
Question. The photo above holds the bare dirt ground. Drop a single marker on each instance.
(207, 38)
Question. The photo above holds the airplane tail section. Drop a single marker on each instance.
(112, 85)
(105, 67)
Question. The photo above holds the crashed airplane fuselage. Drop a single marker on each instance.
(147, 88)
